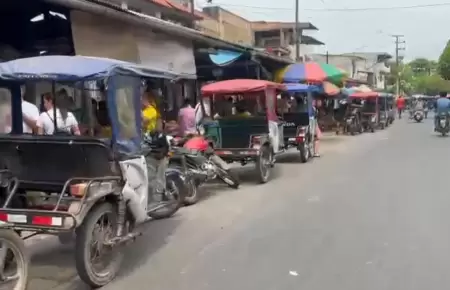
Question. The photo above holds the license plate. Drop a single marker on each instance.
(442, 123)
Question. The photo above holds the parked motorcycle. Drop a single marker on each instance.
(418, 116)
(195, 158)
(443, 124)
(352, 125)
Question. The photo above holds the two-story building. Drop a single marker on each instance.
(371, 68)
(227, 25)
(279, 38)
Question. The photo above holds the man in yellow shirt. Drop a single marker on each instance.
(150, 114)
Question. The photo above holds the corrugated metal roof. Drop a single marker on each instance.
(274, 25)
(177, 6)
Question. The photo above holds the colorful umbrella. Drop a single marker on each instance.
(310, 72)
(330, 89)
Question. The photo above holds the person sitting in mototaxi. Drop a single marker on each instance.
(242, 110)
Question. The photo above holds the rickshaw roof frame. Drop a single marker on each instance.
(61, 68)
(239, 86)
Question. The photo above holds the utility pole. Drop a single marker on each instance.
(398, 41)
(297, 32)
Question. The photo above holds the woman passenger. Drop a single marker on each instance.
(65, 120)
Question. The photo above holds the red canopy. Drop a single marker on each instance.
(364, 94)
(239, 86)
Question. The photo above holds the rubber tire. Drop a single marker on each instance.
(303, 157)
(82, 247)
(190, 199)
(352, 130)
(16, 241)
(234, 177)
(162, 214)
(372, 130)
(262, 179)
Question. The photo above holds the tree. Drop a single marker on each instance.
(423, 66)
(430, 85)
(444, 63)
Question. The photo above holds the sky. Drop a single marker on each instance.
(425, 29)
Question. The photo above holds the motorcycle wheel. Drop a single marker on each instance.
(263, 164)
(87, 235)
(16, 254)
(192, 196)
(305, 152)
(230, 178)
(176, 193)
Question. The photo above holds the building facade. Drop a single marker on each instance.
(279, 38)
(369, 68)
(226, 25)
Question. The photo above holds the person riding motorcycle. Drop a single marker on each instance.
(442, 107)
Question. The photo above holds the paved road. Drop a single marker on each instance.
(372, 214)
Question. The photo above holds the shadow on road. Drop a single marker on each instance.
(53, 265)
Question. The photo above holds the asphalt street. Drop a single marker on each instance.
(373, 213)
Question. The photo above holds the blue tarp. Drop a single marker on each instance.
(73, 68)
(302, 88)
(224, 57)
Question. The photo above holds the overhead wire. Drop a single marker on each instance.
(418, 6)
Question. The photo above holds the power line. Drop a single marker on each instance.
(421, 6)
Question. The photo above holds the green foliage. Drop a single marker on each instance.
(423, 66)
(430, 85)
(444, 63)
(418, 77)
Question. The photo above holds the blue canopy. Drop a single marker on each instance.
(73, 68)
(302, 88)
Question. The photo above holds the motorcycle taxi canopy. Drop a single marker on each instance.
(240, 86)
(123, 81)
(61, 68)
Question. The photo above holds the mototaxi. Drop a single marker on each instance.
(95, 188)
(386, 112)
(248, 137)
(370, 110)
(299, 121)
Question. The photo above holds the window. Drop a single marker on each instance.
(5, 111)
(126, 113)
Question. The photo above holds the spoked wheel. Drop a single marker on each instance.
(96, 261)
(264, 164)
(171, 200)
(229, 177)
(14, 261)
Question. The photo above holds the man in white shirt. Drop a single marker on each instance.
(30, 114)
(65, 120)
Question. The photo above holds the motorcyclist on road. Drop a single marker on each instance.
(442, 107)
